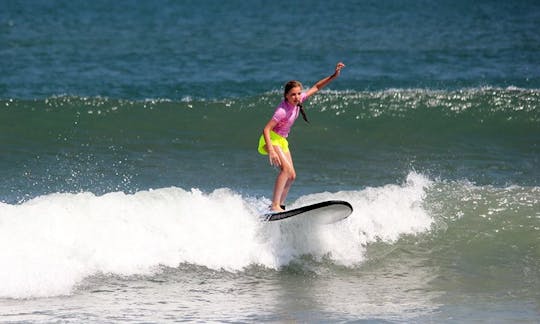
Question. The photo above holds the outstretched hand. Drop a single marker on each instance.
(339, 66)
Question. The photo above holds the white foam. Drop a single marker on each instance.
(51, 243)
(380, 214)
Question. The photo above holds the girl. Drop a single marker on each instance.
(273, 141)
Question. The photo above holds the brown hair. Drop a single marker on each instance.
(289, 85)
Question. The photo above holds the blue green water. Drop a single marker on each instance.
(131, 184)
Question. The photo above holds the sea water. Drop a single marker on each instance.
(132, 189)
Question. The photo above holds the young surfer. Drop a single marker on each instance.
(273, 141)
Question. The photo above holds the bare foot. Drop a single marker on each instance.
(276, 208)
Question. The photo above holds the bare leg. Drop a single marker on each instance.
(284, 179)
(290, 180)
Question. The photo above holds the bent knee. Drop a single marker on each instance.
(291, 174)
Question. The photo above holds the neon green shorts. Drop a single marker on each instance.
(277, 140)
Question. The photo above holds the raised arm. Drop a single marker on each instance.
(322, 83)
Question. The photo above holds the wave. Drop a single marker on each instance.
(100, 145)
(57, 240)
(402, 109)
(456, 228)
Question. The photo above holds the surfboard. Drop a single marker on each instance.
(325, 212)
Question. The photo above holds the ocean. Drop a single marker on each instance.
(132, 188)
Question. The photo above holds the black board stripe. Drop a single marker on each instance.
(296, 211)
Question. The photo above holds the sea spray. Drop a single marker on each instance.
(380, 214)
(55, 241)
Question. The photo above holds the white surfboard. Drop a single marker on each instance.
(325, 212)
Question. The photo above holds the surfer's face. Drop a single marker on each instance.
(293, 96)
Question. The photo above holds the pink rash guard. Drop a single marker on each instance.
(285, 116)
